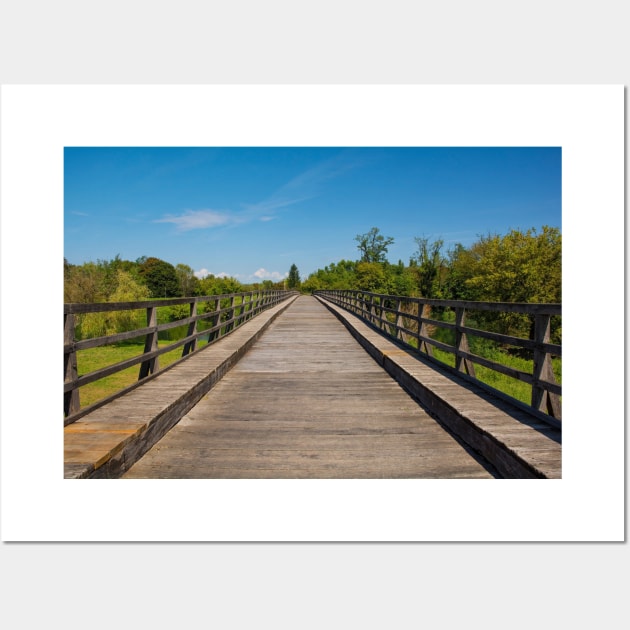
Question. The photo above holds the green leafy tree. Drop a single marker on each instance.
(212, 285)
(401, 280)
(371, 277)
(460, 264)
(373, 246)
(188, 282)
(110, 269)
(429, 267)
(516, 267)
(293, 281)
(161, 278)
(110, 322)
(312, 283)
(336, 276)
(84, 283)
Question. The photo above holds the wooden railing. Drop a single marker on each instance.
(409, 320)
(223, 313)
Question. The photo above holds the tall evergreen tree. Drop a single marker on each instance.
(293, 281)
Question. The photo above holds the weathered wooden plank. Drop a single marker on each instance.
(360, 298)
(305, 404)
(258, 301)
(464, 407)
(308, 402)
(393, 310)
(148, 412)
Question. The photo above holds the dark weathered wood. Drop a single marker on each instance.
(462, 362)
(546, 391)
(308, 402)
(96, 342)
(151, 364)
(542, 398)
(257, 301)
(303, 401)
(357, 300)
(267, 297)
(424, 310)
(108, 439)
(191, 345)
(506, 433)
(71, 402)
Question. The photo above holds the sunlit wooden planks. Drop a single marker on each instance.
(308, 402)
(519, 444)
(109, 439)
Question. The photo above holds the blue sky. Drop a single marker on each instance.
(252, 212)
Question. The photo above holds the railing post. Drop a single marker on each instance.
(150, 366)
(250, 305)
(215, 321)
(383, 317)
(191, 346)
(423, 328)
(71, 402)
(232, 326)
(543, 400)
(400, 321)
(372, 310)
(462, 364)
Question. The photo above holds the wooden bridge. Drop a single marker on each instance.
(301, 387)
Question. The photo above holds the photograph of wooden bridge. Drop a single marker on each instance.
(338, 384)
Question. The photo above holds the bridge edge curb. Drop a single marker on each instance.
(120, 459)
(509, 463)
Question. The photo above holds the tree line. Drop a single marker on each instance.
(520, 266)
(146, 278)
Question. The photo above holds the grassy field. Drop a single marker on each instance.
(96, 358)
(510, 386)
(494, 352)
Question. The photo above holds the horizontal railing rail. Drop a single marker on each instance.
(408, 320)
(223, 313)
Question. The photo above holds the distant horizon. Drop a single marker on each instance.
(251, 212)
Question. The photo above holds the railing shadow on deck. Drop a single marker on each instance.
(212, 317)
(408, 321)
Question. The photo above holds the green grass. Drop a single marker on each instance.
(506, 384)
(96, 358)
(489, 350)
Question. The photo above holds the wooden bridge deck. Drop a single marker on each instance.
(303, 399)
(308, 402)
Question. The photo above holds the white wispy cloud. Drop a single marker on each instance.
(263, 274)
(202, 273)
(259, 274)
(302, 187)
(199, 219)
